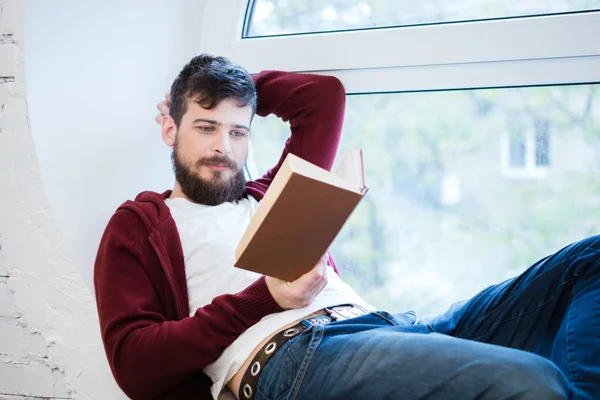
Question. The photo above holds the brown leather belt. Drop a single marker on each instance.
(321, 317)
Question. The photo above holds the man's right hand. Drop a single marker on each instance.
(301, 292)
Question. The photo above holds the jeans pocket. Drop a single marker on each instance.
(405, 318)
(278, 375)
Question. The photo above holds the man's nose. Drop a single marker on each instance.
(222, 143)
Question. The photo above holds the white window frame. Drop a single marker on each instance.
(527, 51)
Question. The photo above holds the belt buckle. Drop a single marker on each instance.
(343, 312)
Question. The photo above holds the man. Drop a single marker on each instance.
(178, 321)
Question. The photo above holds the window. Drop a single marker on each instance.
(526, 147)
(462, 116)
(276, 17)
(441, 221)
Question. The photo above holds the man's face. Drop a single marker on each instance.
(210, 152)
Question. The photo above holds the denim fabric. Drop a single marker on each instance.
(536, 336)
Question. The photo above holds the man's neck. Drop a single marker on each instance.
(178, 193)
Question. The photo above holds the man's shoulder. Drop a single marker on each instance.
(147, 207)
(149, 196)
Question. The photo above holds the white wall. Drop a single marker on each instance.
(94, 72)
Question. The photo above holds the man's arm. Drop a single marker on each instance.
(153, 356)
(149, 355)
(314, 105)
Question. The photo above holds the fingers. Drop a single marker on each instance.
(310, 284)
(312, 277)
(325, 258)
(302, 291)
(320, 272)
(316, 289)
(163, 107)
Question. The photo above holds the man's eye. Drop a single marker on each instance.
(206, 128)
(239, 133)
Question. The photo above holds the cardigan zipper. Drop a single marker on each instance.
(162, 263)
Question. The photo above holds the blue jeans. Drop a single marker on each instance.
(536, 336)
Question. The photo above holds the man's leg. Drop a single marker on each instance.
(368, 358)
(552, 309)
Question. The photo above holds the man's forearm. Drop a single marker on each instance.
(314, 105)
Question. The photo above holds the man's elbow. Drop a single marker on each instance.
(134, 382)
(331, 95)
(334, 87)
(131, 384)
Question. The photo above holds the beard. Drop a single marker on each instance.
(209, 192)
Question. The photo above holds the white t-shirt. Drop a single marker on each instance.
(209, 236)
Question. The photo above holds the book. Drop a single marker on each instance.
(302, 212)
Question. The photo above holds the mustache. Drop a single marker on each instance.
(218, 160)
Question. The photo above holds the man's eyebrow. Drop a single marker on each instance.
(213, 122)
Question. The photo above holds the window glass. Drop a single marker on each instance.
(456, 199)
(275, 17)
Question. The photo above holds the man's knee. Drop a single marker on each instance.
(584, 257)
(581, 259)
(589, 245)
(527, 377)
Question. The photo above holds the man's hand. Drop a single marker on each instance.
(301, 292)
(163, 108)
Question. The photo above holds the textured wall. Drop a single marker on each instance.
(49, 338)
(75, 142)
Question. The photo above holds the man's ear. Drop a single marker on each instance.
(169, 130)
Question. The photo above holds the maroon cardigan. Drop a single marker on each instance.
(154, 348)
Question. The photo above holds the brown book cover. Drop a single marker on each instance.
(302, 212)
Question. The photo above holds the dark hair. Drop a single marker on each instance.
(208, 80)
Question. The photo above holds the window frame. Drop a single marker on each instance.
(251, 3)
(527, 51)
